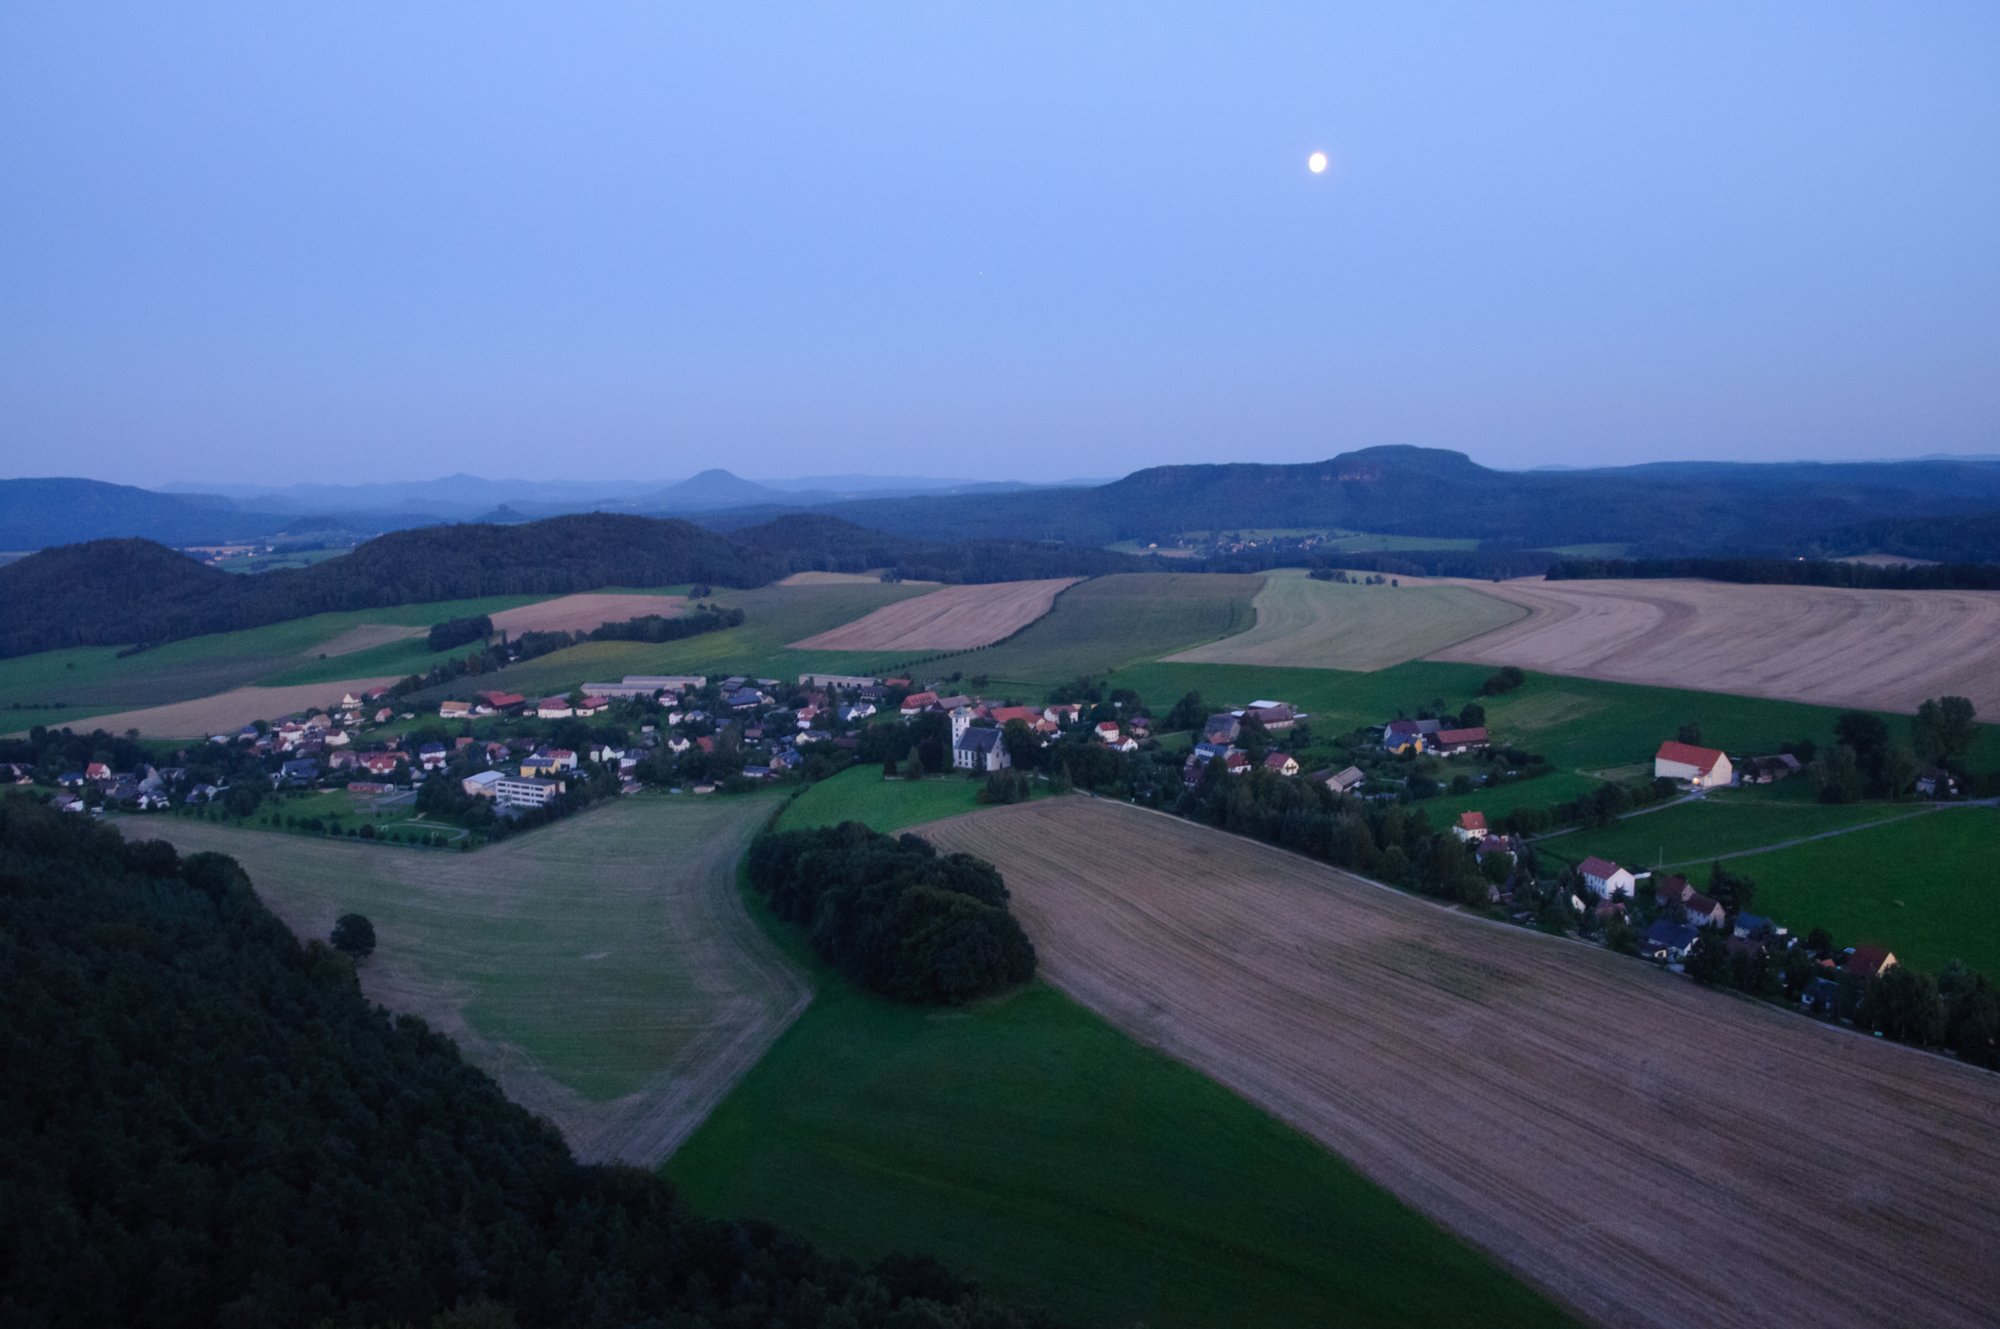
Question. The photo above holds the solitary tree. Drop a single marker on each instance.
(355, 935)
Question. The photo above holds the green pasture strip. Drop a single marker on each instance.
(1694, 832)
(1342, 625)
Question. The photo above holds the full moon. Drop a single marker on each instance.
(1316, 163)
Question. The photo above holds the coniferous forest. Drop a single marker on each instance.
(208, 1125)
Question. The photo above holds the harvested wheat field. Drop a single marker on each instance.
(1646, 1151)
(362, 637)
(1888, 650)
(954, 618)
(1335, 625)
(226, 712)
(581, 613)
(602, 969)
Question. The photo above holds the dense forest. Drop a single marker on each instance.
(893, 914)
(120, 592)
(1788, 572)
(206, 1124)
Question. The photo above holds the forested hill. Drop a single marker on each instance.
(206, 1124)
(127, 592)
(1665, 509)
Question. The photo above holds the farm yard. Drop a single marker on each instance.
(602, 969)
(1040, 1150)
(1876, 649)
(1336, 625)
(1723, 1163)
(952, 618)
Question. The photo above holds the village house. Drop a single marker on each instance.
(1870, 961)
(1702, 911)
(1668, 942)
(1282, 763)
(1405, 735)
(980, 750)
(1698, 767)
(548, 761)
(1275, 716)
(553, 708)
(432, 756)
(381, 763)
(1221, 729)
(1471, 827)
(918, 702)
(1604, 879)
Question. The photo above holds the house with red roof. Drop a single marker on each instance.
(1870, 961)
(1702, 768)
(1451, 742)
(1471, 826)
(1604, 879)
(1282, 763)
(918, 702)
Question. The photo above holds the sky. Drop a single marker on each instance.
(269, 243)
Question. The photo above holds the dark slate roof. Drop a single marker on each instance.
(979, 740)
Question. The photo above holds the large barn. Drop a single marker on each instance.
(1704, 768)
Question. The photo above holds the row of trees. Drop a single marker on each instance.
(893, 914)
(1787, 572)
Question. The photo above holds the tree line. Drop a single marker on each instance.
(1787, 572)
(207, 1124)
(893, 914)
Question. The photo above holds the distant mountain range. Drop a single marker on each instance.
(1931, 508)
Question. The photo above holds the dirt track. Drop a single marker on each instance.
(578, 955)
(581, 613)
(226, 712)
(1649, 1152)
(954, 618)
(1888, 650)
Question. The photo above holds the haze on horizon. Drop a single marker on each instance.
(258, 244)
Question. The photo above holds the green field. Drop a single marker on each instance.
(1691, 834)
(599, 967)
(353, 811)
(1029, 1144)
(1922, 887)
(861, 794)
(1107, 624)
(92, 680)
(281, 558)
(1337, 625)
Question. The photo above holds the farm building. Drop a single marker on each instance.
(1870, 961)
(1604, 879)
(1282, 763)
(1343, 781)
(1471, 826)
(553, 708)
(1275, 716)
(850, 682)
(1451, 742)
(1703, 768)
(918, 702)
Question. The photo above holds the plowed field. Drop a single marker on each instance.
(1886, 650)
(1650, 1152)
(229, 711)
(955, 618)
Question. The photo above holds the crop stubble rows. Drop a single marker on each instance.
(1649, 1152)
(1886, 650)
(953, 618)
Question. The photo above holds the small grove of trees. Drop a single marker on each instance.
(1509, 678)
(893, 914)
(354, 935)
(459, 631)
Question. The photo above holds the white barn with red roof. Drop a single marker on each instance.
(1704, 768)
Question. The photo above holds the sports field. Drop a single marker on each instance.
(1653, 1153)
(1331, 625)
(1925, 888)
(1882, 650)
(603, 969)
(952, 618)
(1032, 1146)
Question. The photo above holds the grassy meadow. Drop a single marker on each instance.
(1690, 834)
(94, 680)
(1923, 887)
(1029, 1144)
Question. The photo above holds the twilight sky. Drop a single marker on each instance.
(271, 242)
